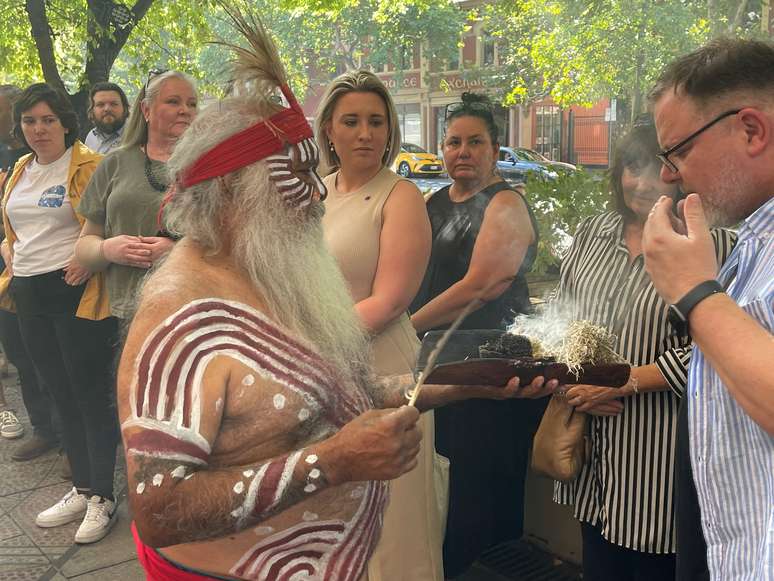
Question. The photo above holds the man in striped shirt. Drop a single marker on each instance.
(714, 111)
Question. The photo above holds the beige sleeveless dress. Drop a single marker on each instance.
(412, 536)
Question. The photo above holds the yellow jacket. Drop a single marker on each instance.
(94, 302)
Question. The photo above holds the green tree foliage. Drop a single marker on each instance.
(580, 52)
(559, 207)
(73, 44)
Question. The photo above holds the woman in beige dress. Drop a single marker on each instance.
(376, 226)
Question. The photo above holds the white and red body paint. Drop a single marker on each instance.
(166, 404)
(297, 188)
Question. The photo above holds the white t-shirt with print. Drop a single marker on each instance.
(42, 217)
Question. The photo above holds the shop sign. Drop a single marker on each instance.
(458, 83)
(402, 82)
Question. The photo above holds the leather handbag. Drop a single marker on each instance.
(559, 446)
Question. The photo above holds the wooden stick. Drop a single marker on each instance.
(430, 365)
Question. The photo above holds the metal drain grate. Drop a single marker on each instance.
(520, 561)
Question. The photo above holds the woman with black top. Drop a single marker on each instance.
(484, 242)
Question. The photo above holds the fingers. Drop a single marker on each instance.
(659, 221)
(695, 220)
(138, 249)
(403, 417)
(539, 387)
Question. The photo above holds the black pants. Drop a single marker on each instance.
(488, 444)
(691, 547)
(73, 358)
(40, 408)
(604, 561)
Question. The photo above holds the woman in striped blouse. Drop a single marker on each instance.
(623, 495)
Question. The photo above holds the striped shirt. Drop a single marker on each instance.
(626, 486)
(732, 456)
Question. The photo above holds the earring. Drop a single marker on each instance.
(330, 146)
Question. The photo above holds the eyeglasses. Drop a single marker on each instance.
(475, 106)
(152, 74)
(664, 155)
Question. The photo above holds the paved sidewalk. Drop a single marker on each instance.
(28, 552)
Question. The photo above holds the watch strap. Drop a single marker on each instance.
(700, 292)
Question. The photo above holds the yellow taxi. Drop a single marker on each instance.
(415, 161)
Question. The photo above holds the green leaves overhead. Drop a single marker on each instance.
(579, 52)
(122, 39)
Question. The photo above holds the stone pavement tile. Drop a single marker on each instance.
(24, 515)
(15, 573)
(8, 503)
(9, 529)
(21, 556)
(55, 552)
(21, 540)
(117, 547)
(128, 571)
(20, 476)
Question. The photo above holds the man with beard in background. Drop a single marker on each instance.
(714, 112)
(258, 442)
(108, 110)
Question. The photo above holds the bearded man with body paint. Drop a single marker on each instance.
(258, 441)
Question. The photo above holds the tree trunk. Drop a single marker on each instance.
(41, 34)
(100, 56)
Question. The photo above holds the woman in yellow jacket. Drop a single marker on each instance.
(62, 308)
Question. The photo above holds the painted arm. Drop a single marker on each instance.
(404, 250)
(506, 233)
(179, 495)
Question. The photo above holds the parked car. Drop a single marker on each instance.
(520, 164)
(414, 161)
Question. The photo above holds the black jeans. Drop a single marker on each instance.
(73, 357)
(691, 547)
(40, 408)
(604, 561)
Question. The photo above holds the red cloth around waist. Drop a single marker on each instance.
(159, 569)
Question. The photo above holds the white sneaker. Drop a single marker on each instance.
(10, 426)
(70, 508)
(100, 517)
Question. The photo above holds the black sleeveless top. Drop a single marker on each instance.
(455, 229)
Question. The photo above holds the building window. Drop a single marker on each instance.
(548, 131)
(407, 58)
(488, 50)
(454, 62)
(410, 123)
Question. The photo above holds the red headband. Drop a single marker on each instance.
(252, 144)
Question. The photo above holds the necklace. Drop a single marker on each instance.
(153, 181)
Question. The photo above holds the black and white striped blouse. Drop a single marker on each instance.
(627, 485)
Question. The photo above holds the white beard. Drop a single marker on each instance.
(283, 253)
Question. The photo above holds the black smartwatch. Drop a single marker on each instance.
(678, 312)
